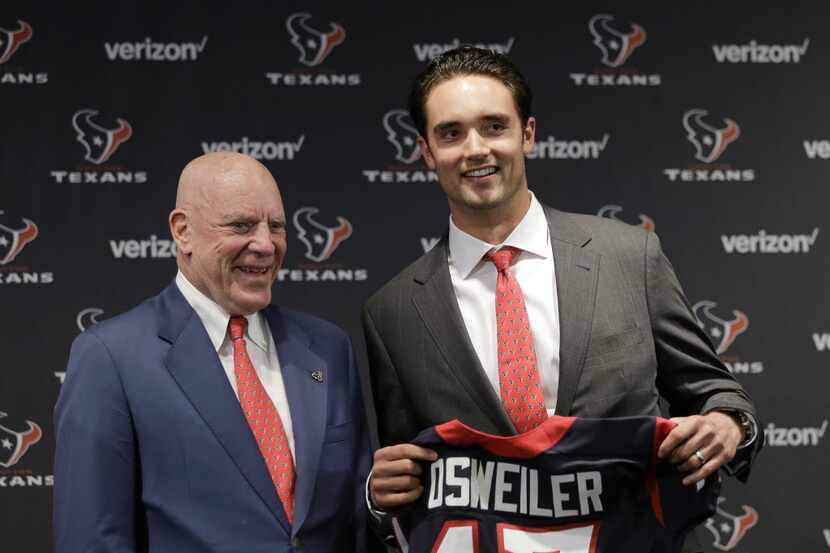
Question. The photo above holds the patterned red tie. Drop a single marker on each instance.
(521, 388)
(263, 418)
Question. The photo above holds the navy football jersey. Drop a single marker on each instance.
(571, 485)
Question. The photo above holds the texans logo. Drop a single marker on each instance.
(616, 47)
(728, 529)
(100, 143)
(709, 142)
(10, 41)
(12, 241)
(88, 317)
(314, 45)
(402, 134)
(720, 331)
(612, 212)
(13, 444)
(320, 241)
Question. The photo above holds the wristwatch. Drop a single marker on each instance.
(746, 422)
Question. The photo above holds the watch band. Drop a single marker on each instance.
(745, 421)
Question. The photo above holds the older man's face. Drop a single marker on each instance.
(238, 239)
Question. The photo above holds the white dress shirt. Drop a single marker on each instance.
(258, 341)
(474, 281)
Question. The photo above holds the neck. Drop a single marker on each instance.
(492, 225)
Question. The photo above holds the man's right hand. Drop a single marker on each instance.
(395, 475)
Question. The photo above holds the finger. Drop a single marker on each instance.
(405, 451)
(693, 462)
(677, 436)
(704, 471)
(394, 500)
(398, 467)
(394, 484)
(699, 441)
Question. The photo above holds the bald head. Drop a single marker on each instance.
(216, 170)
(229, 227)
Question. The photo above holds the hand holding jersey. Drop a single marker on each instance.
(396, 474)
(701, 444)
(395, 480)
(571, 484)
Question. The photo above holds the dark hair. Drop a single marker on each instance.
(468, 60)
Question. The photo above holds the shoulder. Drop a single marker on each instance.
(608, 237)
(599, 228)
(127, 327)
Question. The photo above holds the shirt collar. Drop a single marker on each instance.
(530, 235)
(215, 319)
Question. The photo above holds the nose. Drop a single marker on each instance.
(262, 240)
(475, 145)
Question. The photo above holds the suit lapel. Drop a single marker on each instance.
(307, 399)
(577, 271)
(437, 306)
(194, 365)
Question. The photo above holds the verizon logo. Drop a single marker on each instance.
(141, 249)
(259, 150)
(794, 437)
(822, 341)
(817, 148)
(769, 243)
(760, 53)
(155, 51)
(551, 148)
(430, 51)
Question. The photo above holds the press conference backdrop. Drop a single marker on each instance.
(710, 128)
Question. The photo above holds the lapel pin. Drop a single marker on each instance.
(317, 375)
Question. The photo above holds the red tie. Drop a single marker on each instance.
(263, 418)
(521, 388)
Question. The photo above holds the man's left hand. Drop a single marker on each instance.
(701, 444)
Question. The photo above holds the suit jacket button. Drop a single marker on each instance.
(296, 542)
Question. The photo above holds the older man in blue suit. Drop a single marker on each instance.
(206, 419)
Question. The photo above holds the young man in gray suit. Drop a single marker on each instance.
(609, 326)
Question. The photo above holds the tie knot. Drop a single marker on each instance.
(236, 327)
(503, 258)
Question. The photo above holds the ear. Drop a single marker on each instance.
(180, 230)
(529, 135)
(425, 152)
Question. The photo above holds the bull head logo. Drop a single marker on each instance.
(728, 529)
(100, 143)
(320, 241)
(721, 332)
(709, 142)
(314, 45)
(13, 444)
(10, 41)
(12, 240)
(402, 134)
(611, 212)
(616, 47)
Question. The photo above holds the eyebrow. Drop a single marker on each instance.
(445, 126)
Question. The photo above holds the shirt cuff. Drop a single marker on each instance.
(377, 514)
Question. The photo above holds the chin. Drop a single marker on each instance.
(251, 304)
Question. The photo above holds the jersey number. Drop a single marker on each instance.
(462, 536)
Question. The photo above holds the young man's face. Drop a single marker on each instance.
(476, 143)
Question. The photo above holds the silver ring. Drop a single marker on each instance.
(700, 457)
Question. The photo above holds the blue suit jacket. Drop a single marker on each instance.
(154, 453)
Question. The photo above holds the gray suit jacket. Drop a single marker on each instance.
(628, 336)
